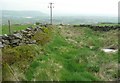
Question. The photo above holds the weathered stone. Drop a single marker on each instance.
(27, 42)
(24, 32)
(33, 42)
(1, 45)
(35, 29)
(21, 44)
(14, 45)
(5, 36)
(28, 29)
(29, 35)
(18, 35)
(2, 40)
(15, 41)
(11, 37)
(6, 42)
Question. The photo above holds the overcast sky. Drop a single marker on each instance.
(67, 7)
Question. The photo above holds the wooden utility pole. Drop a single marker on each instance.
(51, 6)
(9, 27)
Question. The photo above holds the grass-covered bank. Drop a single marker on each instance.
(70, 54)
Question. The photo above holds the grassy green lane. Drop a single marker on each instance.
(64, 60)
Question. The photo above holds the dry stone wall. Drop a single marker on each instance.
(99, 28)
(19, 38)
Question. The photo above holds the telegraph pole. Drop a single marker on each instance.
(51, 6)
(9, 27)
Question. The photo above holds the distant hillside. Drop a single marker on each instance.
(9, 13)
(24, 17)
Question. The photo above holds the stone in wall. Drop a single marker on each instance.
(1, 45)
